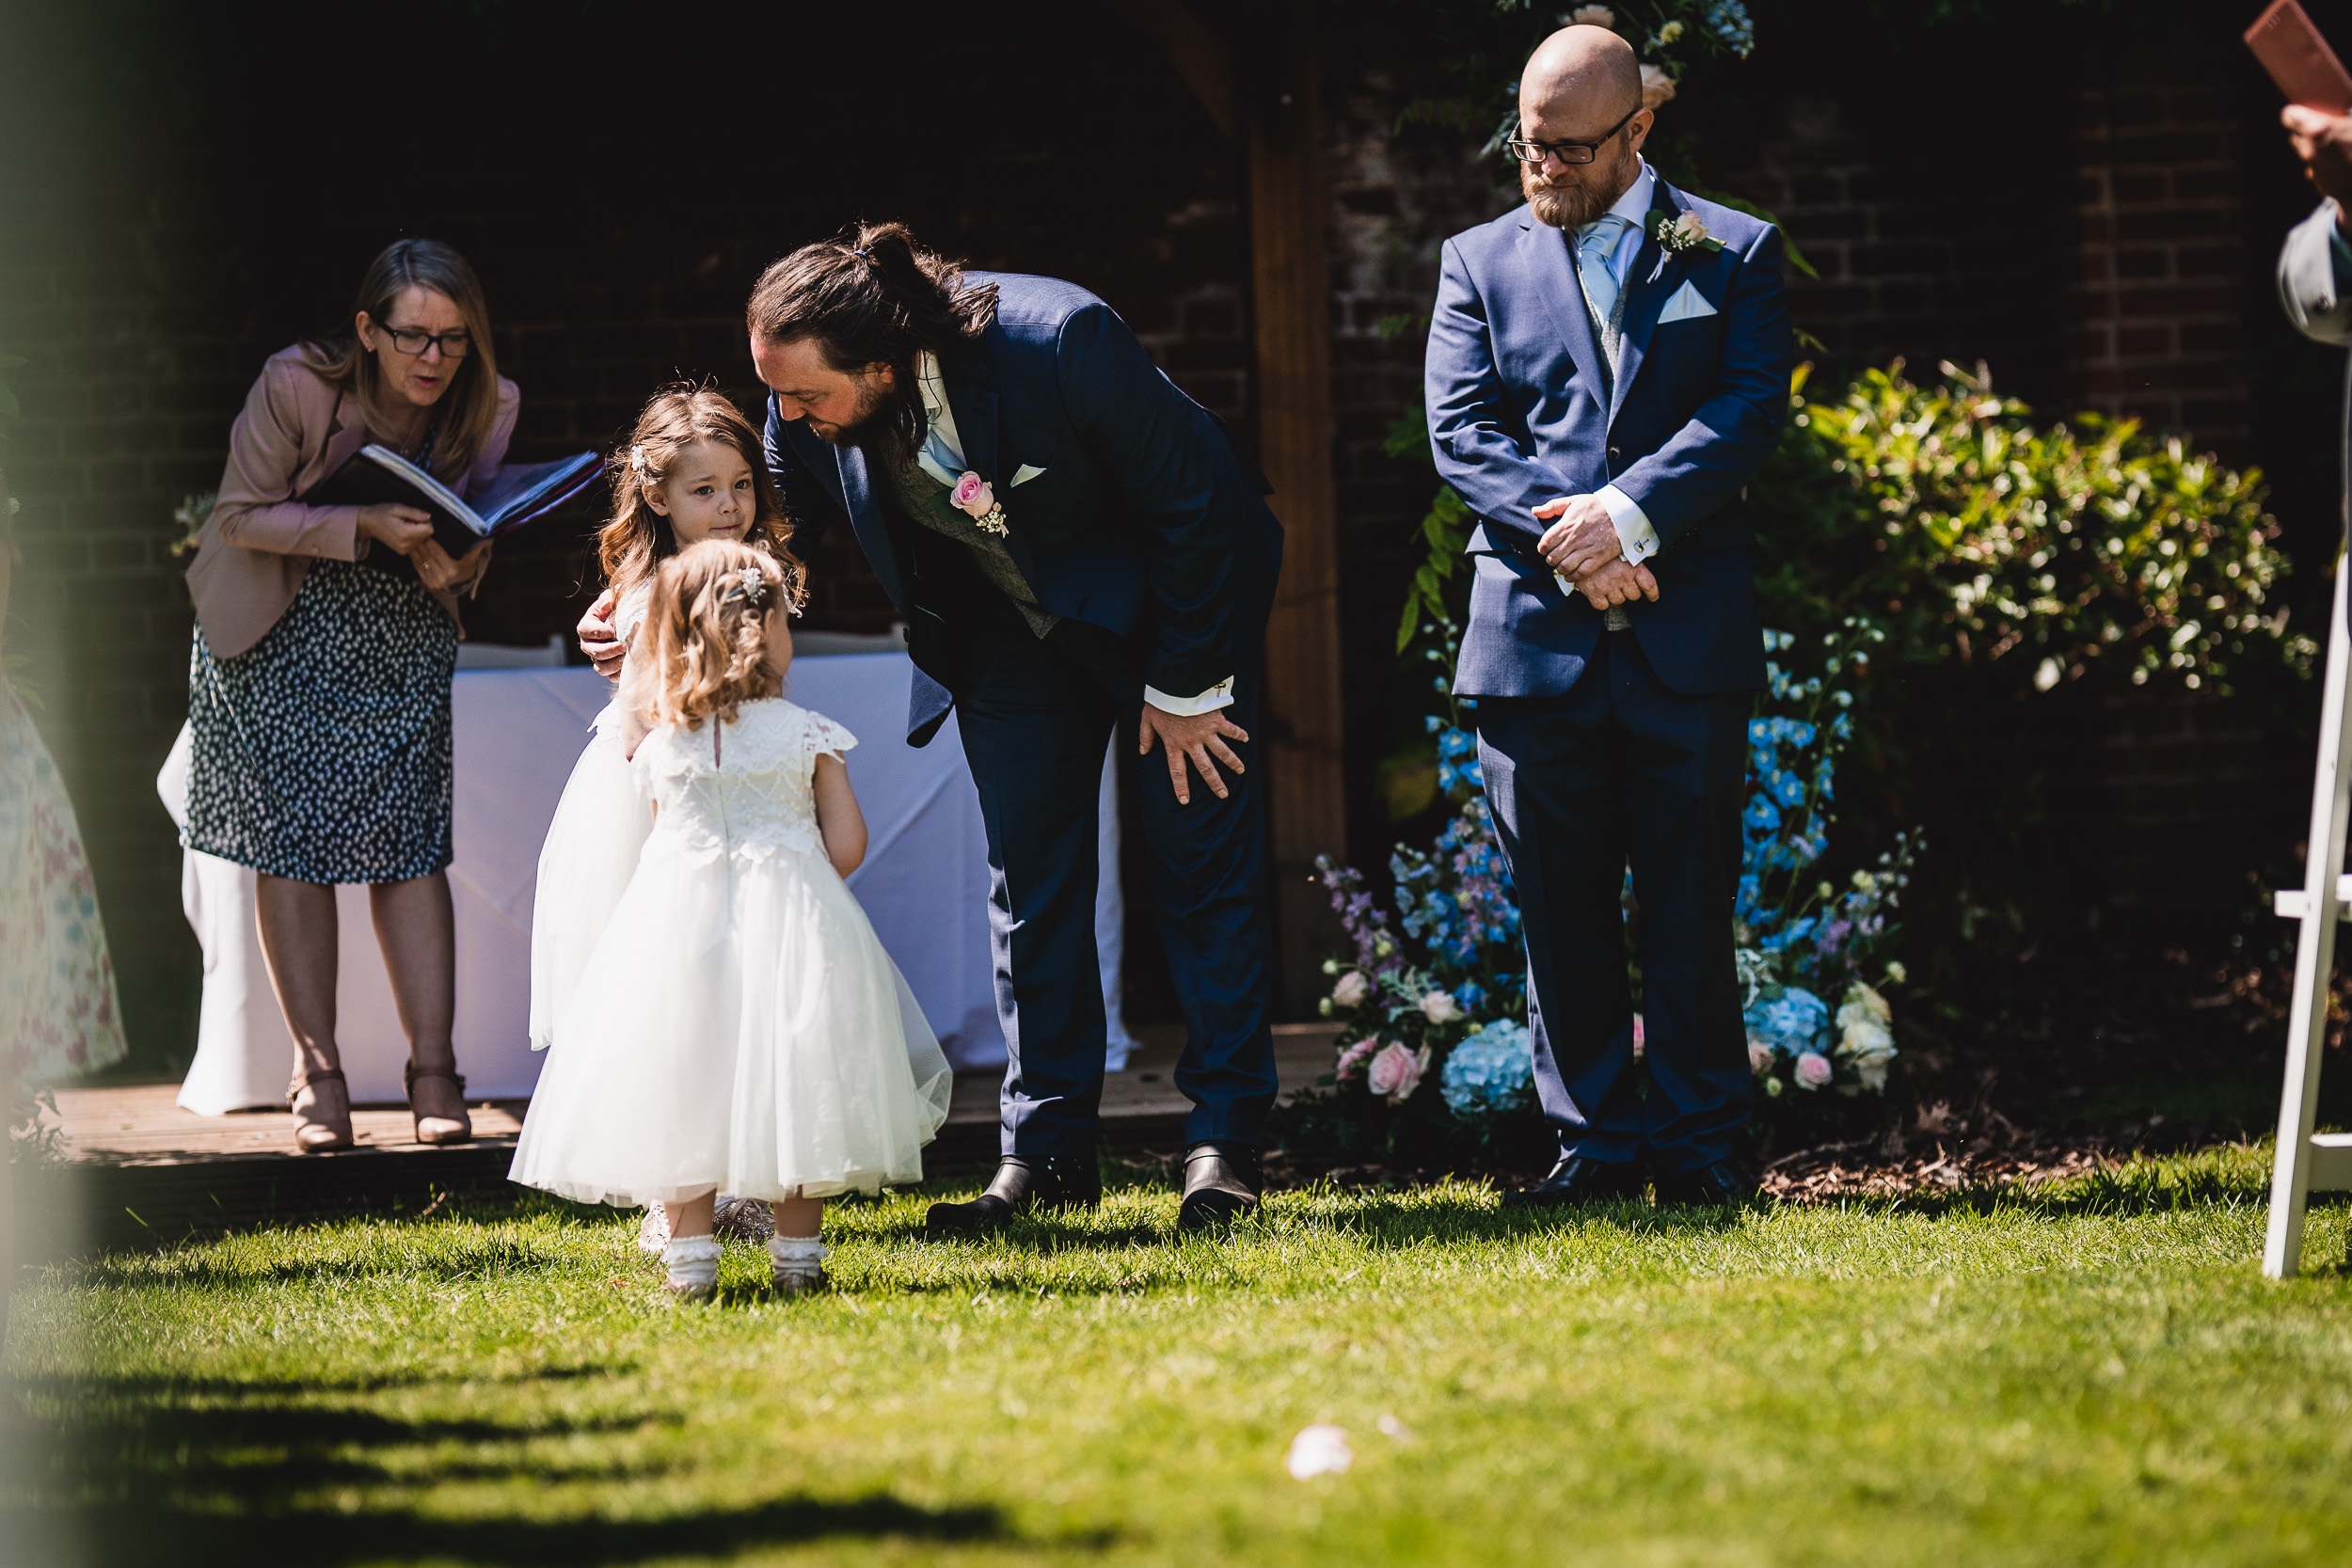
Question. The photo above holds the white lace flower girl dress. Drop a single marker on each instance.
(590, 853)
(736, 1025)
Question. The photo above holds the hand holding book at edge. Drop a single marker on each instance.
(408, 530)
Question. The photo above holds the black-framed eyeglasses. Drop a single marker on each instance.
(1528, 152)
(413, 342)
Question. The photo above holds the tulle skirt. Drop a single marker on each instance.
(737, 1027)
(598, 831)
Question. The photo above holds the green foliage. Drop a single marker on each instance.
(1445, 529)
(191, 516)
(2090, 1372)
(2042, 552)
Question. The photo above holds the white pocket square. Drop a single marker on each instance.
(1687, 304)
(1023, 474)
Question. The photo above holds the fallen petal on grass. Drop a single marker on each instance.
(1320, 1450)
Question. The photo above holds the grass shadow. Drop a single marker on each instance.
(128, 1533)
(215, 1471)
(448, 1259)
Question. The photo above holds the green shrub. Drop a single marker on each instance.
(2038, 553)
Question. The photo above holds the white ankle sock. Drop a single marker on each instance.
(799, 1260)
(692, 1262)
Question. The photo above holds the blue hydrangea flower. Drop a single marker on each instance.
(1492, 1071)
(1729, 19)
(1789, 1019)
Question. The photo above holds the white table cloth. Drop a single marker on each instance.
(517, 732)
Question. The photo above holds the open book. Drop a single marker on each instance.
(521, 493)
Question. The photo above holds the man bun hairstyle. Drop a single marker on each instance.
(871, 295)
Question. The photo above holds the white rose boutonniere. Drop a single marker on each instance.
(1680, 235)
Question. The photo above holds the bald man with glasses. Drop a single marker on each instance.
(1608, 366)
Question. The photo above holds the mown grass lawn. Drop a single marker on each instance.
(2088, 1374)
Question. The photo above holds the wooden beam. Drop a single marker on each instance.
(1195, 53)
(1301, 737)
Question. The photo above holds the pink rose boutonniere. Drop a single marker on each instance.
(974, 499)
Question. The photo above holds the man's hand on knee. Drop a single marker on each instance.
(1195, 742)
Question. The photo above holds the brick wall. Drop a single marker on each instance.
(2156, 285)
(1394, 197)
(130, 360)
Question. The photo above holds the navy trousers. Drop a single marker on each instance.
(1622, 770)
(1034, 718)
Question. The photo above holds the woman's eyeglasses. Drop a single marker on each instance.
(413, 342)
(1528, 152)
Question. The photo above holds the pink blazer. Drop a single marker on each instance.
(257, 546)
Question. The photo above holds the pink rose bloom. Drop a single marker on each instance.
(1396, 1072)
(1759, 1057)
(1641, 1038)
(1352, 1059)
(1813, 1070)
(973, 495)
(1353, 988)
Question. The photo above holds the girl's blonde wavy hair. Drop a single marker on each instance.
(635, 538)
(703, 651)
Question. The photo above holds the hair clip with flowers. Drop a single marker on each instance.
(749, 584)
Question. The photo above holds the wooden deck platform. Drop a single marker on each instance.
(138, 1168)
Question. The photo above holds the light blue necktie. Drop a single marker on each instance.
(1595, 243)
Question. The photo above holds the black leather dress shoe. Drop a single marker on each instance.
(1221, 1183)
(1724, 1183)
(1577, 1179)
(1023, 1182)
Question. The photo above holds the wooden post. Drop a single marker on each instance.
(1292, 295)
(1273, 105)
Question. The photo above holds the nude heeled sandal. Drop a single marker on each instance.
(437, 1130)
(315, 1133)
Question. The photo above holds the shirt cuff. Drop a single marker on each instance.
(1220, 695)
(1633, 531)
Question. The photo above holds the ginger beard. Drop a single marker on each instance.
(1582, 192)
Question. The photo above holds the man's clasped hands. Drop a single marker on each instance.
(1582, 547)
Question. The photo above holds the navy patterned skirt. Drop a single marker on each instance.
(322, 753)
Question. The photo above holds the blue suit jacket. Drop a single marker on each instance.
(1517, 417)
(1145, 521)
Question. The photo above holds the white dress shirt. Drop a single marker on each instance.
(942, 457)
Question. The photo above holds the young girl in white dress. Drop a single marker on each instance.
(691, 469)
(738, 1024)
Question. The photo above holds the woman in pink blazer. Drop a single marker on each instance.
(318, 686)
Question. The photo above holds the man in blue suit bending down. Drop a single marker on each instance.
(1608, 365)
(1076, 545)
